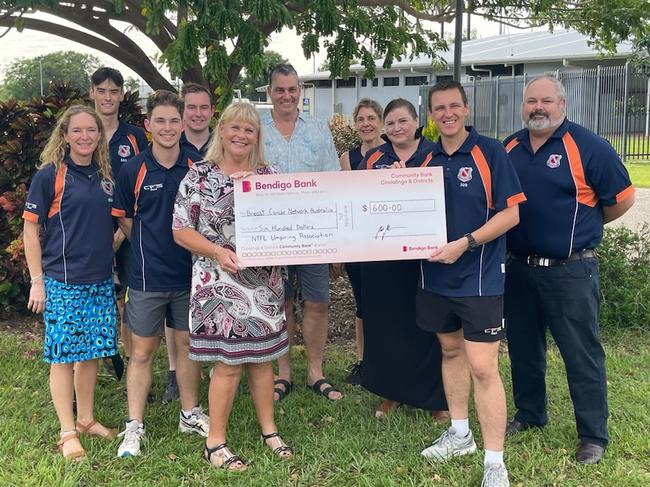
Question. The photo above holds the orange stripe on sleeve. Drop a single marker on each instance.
(511, 145)
(189, 162)
(373, 158)
(427, 160)
(29, 216)
(134, 144)
(625, 194)
(585, 194)
(485, 173)
(515, 199)
(117, 212)
(138, 184)
(59, 186)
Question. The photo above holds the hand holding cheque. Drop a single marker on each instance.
(309, 218)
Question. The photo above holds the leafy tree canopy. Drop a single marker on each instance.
(211, 41)
(22, 79)
(248, 82)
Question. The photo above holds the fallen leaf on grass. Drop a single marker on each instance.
(328, 419)
(172, 457)
(436, 478)
(400, 470)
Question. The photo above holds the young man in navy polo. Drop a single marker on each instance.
(197, 115)
(198, 110)
(461, 295)
(124, 141)
(159, 270)
(575, 182)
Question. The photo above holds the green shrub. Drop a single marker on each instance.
(24, 130)
(624, 259)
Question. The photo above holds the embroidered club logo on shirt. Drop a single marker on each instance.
(465, 174)
(554, 161)
(107, 186)
(124, 151)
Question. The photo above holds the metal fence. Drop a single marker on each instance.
(613, 101)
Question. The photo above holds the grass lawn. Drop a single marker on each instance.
(640, 174)
(336, 444)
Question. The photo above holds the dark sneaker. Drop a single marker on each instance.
(171, 391)
(354, 377)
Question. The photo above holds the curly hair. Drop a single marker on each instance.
(56, 148)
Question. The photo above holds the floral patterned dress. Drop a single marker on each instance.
(234, 318)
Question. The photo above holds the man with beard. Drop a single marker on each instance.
(575, 182)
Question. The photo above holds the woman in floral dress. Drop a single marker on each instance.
(237, 315)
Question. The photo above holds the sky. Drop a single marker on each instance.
(27, 44)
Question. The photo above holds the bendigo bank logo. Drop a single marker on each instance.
(247, 186)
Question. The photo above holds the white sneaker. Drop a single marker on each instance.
(495, 475)
(198, 422)
(449, 445)
(133, 435)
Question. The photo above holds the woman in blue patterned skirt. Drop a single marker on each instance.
(237, 314)
(68, 238)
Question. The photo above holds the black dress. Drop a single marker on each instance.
(353, 269)
(401, 361)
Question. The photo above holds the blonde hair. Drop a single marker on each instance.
(242, 112)
(56, 148)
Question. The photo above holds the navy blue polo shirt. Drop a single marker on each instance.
(146, 192)
(186, 144)
(127, 142)
(384, 156)
(479, 182)
(73, 205)
(567, 181)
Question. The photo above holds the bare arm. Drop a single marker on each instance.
(611, 213)
(33, 254)
(196, 243)
(345, 161)
(125, 226)
(118, 238)
(493, 228)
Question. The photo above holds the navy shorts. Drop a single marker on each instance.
(480, 317)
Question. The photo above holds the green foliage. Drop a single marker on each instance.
(211, 42)
(344, 135)
(624, 259)
(24, 130)
(22, 79)
(430, 131)
(248, 82)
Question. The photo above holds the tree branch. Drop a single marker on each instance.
(135, 58)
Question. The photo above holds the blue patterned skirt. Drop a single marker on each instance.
(80, 321)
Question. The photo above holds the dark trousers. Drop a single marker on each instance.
(566, 300)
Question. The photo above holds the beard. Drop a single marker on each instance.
(535, 123)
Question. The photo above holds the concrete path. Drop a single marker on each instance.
(639, 213)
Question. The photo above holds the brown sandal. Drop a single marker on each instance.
(282, 450)
(85, 429)
(76, 455)
(386, 407)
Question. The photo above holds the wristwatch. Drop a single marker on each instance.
(473, 245)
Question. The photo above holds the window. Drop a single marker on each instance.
(323, 83)
(416, 80)
(346, 83)
(391, 81)
(375, 82)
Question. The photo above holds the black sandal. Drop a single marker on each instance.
(316, 388)
(282, 393)
(280, 450)
(225, 455)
